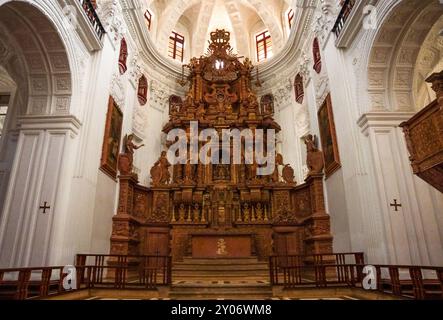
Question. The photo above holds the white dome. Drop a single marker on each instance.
(195, 19)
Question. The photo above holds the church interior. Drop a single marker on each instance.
(135, 137)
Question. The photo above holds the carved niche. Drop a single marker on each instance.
(267, 104)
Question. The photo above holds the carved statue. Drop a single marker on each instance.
(126, 159)
(221, 213)
(196, 213)
(247, 64)
(288, 174)
(252, 103)
(189, 101)
(315, 160)
(275, 177)
(160, 171)
(182, 213)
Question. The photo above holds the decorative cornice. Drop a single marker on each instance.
(68, 122)
(382, 120)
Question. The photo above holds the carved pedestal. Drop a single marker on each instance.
(318, 234)
(125, 236)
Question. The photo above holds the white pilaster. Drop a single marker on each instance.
(414, 233)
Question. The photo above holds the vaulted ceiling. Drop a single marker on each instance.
(197, 18)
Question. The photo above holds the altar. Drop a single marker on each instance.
(221, 245)
(221, 209)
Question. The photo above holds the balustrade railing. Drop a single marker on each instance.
(91, 271)
(246, 213)
(346, 269)
(89, 8)
(26, 283)
(123, 272)
(343, 16)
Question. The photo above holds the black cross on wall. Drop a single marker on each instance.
(45, 207)
(395, 205)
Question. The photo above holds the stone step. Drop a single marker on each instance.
(218, 296)
(214, 267)
(227, 291)
(220, 276)
(230, 261)
(243, 278)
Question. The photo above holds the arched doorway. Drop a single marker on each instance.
(33, 58)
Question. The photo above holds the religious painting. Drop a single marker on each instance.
(112, 137)
(328, 137)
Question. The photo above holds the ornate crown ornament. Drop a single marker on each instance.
(221, 37)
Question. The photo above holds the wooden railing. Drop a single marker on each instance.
(343, 16)
(91, 13)
(346, 270)
(92, 271)
(319, 270)
(123, 272)
(26, 283)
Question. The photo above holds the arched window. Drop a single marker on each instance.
(142, 93)
(123, 57)
(299, 89)
(263, 42)
(176, 47)
(317, 56)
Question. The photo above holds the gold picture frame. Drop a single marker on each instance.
(111, 139)
(328, 137)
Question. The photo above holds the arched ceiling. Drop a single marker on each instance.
(242, 18)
